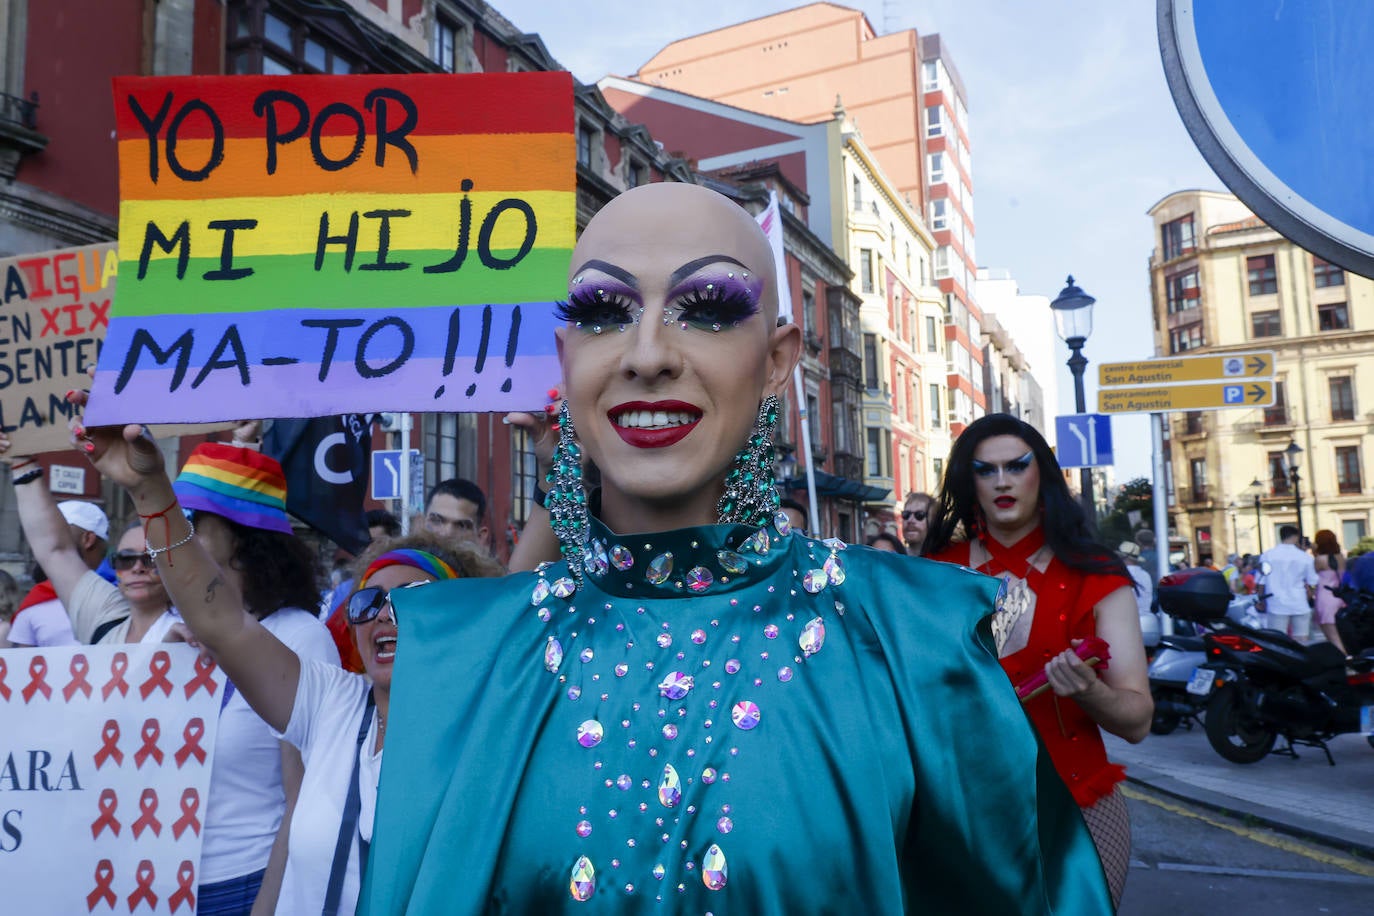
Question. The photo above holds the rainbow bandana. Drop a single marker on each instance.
(408, 556)
(239, 484)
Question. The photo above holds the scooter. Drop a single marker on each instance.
(1261, 685)
(1177, 660)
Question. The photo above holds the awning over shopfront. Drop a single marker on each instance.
(837, 487)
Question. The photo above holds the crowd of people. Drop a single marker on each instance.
(670, 692)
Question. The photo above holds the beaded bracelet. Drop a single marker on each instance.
(155, 552)
(27, 477)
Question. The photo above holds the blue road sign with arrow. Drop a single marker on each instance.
(1085, 440)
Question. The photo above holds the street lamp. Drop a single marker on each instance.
(1291, 456)
(1256, 488)
(1073, 320)
(1233, 509)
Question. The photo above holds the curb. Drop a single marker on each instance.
(1353, 842)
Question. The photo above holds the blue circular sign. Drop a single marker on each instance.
(1275, 94)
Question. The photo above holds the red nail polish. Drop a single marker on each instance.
(88, 446)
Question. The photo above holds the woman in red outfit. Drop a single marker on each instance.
(1004, 488)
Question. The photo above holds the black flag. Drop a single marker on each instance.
(327, 461)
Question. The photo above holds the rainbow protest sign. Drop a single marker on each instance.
(309, 245)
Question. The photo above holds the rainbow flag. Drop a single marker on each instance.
(309, 245)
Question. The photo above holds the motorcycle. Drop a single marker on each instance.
(1181, 654)
(1261, 685)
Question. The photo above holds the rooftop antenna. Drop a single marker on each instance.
(891, 16)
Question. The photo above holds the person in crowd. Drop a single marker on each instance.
(236, 499)
(1359, 572)
(886, 541)
(1230, 572)
(1288, 585)
(690, 665)
(1149, 557)
(1249, 568)
(381, 525)
(797, 516)
(9, 600)
(67, 541)
(1129, 551)
(70, 538)
(457, 509)
(1004, 488)
(915, 519)
(214, 563)
(1329, 563)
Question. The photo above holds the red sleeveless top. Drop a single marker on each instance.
(1064, 602)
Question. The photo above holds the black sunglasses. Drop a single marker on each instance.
(366, 604)
(125, 560)
(918, 515)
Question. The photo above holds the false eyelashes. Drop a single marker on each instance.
(713, 306)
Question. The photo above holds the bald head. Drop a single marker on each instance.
(686, 220)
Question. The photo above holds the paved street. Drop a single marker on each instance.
(1304, 796)
(1187, 859)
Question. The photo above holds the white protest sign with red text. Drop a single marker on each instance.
(105, 756)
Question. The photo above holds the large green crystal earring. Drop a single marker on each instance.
(567, 500)
(750, 497)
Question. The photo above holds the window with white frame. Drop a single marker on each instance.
(942, 262)
(939, 214)
(935, 123)
(930, 76)
(936, 167)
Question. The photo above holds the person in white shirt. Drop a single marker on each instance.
(1288, 586)
(337, 719)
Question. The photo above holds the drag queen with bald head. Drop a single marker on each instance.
(697, 709)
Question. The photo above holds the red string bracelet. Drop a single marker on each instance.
(166, 532)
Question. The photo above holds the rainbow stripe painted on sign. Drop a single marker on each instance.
(309, 245)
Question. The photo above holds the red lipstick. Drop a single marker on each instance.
(659, 437)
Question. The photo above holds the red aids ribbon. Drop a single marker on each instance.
(147, 803)
(190, 805)
(192, 733)
(118, 665)
(78, 682)
(157, 675)
(110, 736)
(107, 804)
(38, 672)
(144, 891)
(4, 669)
(104, 877)
(186, 877)
(204, 668)
(151, 731)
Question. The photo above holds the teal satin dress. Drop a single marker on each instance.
(718, 720)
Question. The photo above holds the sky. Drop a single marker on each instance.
(1073, 137)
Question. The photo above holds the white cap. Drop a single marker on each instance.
(86, 515)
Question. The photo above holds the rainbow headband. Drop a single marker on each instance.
(408, 556)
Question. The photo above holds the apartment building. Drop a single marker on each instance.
(1222, 281)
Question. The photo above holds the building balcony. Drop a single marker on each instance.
(845, 364)
(1195, 495)
(1279, 420)
(18, 132)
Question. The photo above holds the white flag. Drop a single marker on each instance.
(770, 221)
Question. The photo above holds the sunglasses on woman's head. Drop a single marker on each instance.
(915, 515)
(366, 603)
(125, 560)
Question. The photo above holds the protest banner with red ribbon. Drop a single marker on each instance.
(105, 756)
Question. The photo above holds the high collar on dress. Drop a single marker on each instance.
(684, 563)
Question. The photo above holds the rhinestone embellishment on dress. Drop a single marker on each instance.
(583, 883)
(652, 674)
